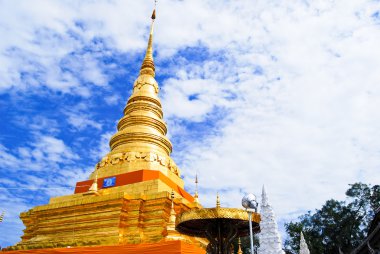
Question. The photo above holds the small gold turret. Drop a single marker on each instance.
(94, 187)
(196, 200)
(239, 250)
(171, 224)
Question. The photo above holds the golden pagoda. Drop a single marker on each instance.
(135, 191)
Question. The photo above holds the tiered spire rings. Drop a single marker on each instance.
(142, 128)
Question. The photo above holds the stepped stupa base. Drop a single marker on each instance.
(129, 214)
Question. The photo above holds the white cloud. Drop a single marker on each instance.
(82, 121)
(79, 116)
(103, 147)
(44, 153)
(306, 134)
(113, 99)
(192, 99)
(38, 51)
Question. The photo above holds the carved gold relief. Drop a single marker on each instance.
(120, 158)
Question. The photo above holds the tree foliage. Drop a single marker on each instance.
(338, 224)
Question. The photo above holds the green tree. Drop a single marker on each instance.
(338, 224)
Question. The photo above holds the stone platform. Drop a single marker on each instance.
(169, 247)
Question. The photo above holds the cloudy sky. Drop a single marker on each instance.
(281, 93)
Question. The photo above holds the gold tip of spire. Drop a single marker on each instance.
(217, 200)
(147, 66)
(154, 14)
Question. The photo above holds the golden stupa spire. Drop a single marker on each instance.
(217, 200)
(140, 142)
(142, 128)
(147, 66)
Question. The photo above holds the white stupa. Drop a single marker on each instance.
(269, 237)
(303, 246)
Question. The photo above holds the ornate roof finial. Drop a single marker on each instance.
(196, 200)
(239, 248)
(2, 216)
(217, 200)
(147, 66)
(171, 223)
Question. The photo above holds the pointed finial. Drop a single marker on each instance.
(153, 14)
(171, 223)
(147, 66)
(217, 200)
(196, 189)
(239, 249)
(2, 216)
(172, 197)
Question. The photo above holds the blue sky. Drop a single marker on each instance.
(254, 92)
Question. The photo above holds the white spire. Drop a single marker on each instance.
(269, 237)
(303, 246)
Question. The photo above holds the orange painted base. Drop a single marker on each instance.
(134, 177)
(169, 247)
